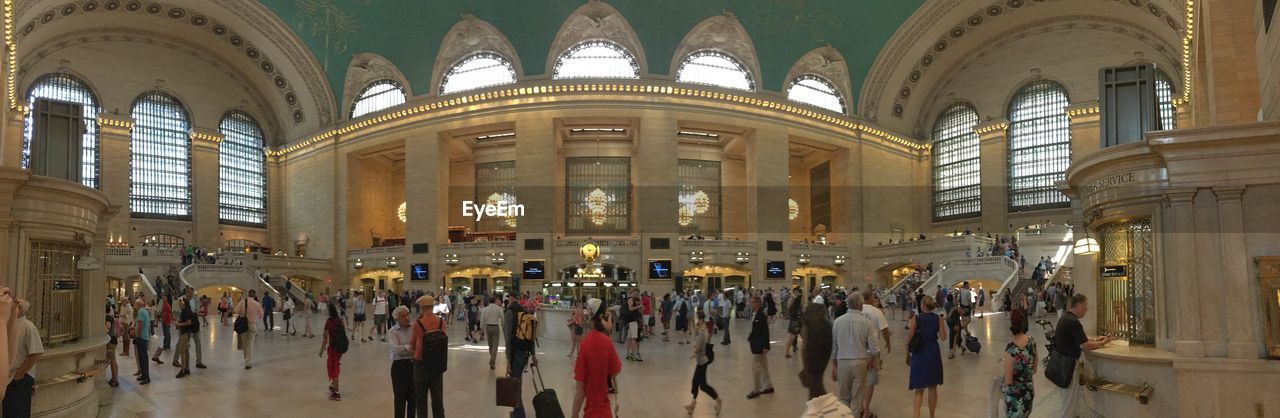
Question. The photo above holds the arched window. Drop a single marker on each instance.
(714, 68)
(376, 96)
(242, 180)
(161, 152)
(479, 70)
(816, 91)
(1039, 146)
(1164, 101)
(596, 59)
(957, 184)
(65, 88)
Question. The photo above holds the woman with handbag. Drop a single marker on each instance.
(1019, 364)
(924, 356)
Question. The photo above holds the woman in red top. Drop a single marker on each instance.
(647, 301)
(596, 366)
(333, 362)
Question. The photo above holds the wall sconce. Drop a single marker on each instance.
(392, 262)
(498, 259)
(839, 261)
(697, 257)
(1086, 246)
(359, 264)
(451, 259)
(804, 259)
(742, 258)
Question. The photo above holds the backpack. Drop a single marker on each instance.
(684, 308)
(338, 339)
(526, 331)
(435, 348)
(114, 330)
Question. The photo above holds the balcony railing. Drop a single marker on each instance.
(496, 245)
(396, 250)
(699, 243)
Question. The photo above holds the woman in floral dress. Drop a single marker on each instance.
(1019, 368)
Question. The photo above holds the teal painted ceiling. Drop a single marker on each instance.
(408, 32)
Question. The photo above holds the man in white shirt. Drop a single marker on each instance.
(873, 311)
(854, 343)
(252, 310)
(380, 315)
(491, 320)
(17, 397)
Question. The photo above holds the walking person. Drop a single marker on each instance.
(127, 317)
(632, 328)
(596, 366)
(166, 319)
(268, 313)
(875, 312)
(682, 308)
(703, 354)
(855, 342)
(189, 295)
(114, 334)
(1019, 363)
(307, 307)
(725, 301)
(955, 337)
(428, 371)
(491, 317)
(759, 340)
(664, 315)
(141, 336)
(402, 363)
(795, 324)
(576, 317)
(814, 358)
(287, 315)
(380, 306)
(203, 311)
(188, 326)
(224, 307)
(522, 351)
(924, 356)
(252, 311)
(25, 349)
(358, 315)
(334, 332)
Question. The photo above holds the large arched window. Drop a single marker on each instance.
(161, 152)
(479, 70)
(1039, 146)
(376, 96)
(65, 88)
(714, 68)
(816, 91)
(596, 59)
(957, 184)
(1164, 101)
(242, 180)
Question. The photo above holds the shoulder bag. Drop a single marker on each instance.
(1059, 369)
(242, 322)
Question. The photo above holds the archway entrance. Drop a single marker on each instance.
(716, 277)
(478, 280)
(817, 278)
(890, 274)
(371, 281)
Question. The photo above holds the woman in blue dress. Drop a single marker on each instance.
(926, 361)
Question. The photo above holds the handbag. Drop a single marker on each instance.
(242, 322)
(545, 402)
(1060, 369)
(507, 391)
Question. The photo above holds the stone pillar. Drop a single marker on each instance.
(15, 122)
(539, 185)
(1230, 62)
(1086, 133)
(1242, 335)
(1208, 270)
(426, 196)
(276, 238)
(767, 164)
(204, 187)
(656, 189)
(114, 159)
(1182, 271)
(846, 209)
(993, 137)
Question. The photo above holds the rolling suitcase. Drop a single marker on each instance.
(545, 403)
(971, 343)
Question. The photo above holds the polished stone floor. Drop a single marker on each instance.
(288, 380)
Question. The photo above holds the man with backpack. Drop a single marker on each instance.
(430, 344)
(521, 347)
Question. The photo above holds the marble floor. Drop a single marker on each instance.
(288, 380)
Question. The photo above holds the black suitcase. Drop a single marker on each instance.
(971, 343)
(545, 403)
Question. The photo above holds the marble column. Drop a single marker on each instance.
(1229, 66)
(993, 137)
(276, 238)
(426, 196)
(1242, 334)
(15, 122)
(1208, 270)
(114, 138)
(1086, 134)
(539, 187)
(204, 184)
(846, 209)
(656, 190)
(767, 164)
(1182, 272)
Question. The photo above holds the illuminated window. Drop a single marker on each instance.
(479, 70)
(716, 69)
(596, 59)
(698, 199)
(1039, 146)
(161, 172)
(377, 96)
(1164, 101)
(242, 180)
(496, 182)
(816, 91)
(68, 89)
(598, 196)
(957, 184)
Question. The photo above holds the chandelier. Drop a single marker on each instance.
(597, 202)
(701, 202)
(401, 212)
(597, 218)
(684, 217)
(793, 209)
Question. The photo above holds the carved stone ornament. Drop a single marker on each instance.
(365, 68)
(826, 62)
(596, 21)
(468, 36)
(721, 33)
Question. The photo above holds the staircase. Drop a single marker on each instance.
(199, 276)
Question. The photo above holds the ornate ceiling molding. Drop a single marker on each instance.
(828, 63)
(721, 33)
(364, 69)
(1040, 27)
(469, 36)
(596, 21)
(35, 55)
(195, 20)
(909, 37)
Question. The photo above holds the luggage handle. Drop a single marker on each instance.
(538, 372)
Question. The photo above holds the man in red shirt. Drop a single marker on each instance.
(597, 364)
(166, 318)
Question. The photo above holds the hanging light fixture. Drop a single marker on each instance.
(1086, 246)
(701, 203)
(597, 200)
(793, 209)
(685, 218)
(401, 212)
(597, 217)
